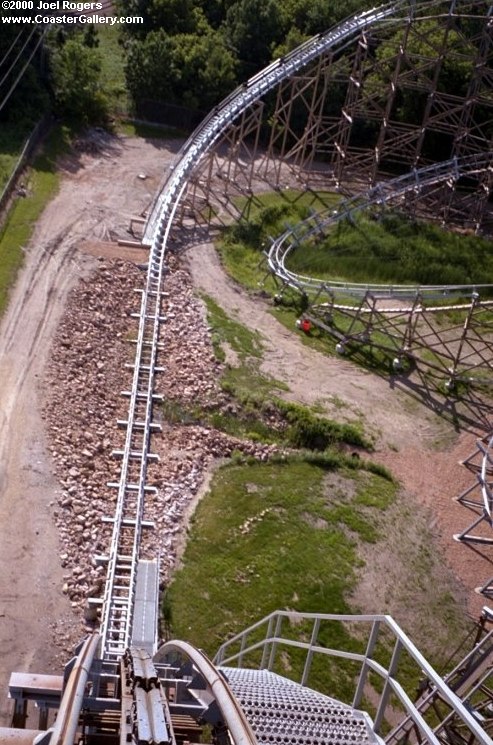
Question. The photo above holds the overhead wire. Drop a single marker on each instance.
(10, 48)
(2, 81)
(16, 81)
(107, 5)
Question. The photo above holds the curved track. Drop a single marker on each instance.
(393, 192)
(133, 683)
(356, 32)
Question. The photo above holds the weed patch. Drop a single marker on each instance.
(267, 536)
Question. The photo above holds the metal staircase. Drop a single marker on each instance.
(281, 711)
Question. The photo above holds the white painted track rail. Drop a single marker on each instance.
(119, 595)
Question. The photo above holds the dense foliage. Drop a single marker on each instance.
(193, 52)
(49, 69)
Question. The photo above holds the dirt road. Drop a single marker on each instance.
(99, 193)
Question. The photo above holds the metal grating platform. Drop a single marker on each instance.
(282, 711)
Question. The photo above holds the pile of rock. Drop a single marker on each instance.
(85, 376)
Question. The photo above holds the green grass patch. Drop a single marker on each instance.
(243, 342)
(147, 131)
(299, 533)
(390, 247)
(383, 247)
(265, 215)
(386, 247)
(42, 182)
(271, 536)
(112, 70)
(12, 140)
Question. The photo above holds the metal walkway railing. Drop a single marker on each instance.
(385, 646)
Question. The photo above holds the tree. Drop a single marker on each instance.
(315, 16)
(23, 94)
(196, 70)
(252, 29)
(215, 10)
(76, 73)
(173, 16)
(170, 16)
(149, 68)
(207, 69)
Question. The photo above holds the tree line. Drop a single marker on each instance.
(48, 69)
(194, 52)
(190, 53)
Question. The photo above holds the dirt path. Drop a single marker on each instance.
(421, 449)
(346, 391)
(99, 193)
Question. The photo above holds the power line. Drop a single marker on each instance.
(2, 81)
(10, 48)
(16, 81)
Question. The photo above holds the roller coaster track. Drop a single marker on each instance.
(117, 693)
(389, 193)
(119, 593)
(118, 601)
(147, 708)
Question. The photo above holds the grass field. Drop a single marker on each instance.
(269, 536)
(299, 531)
(42, 183)
(12, 139)
(112, 71)
(385, 247)
(293, 535)
(260, 413)
(389, 247)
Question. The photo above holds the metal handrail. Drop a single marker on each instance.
(274, 639)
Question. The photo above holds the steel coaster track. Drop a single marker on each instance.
(119, 593)
(118, 600)
(125, 542)
(222, 116)
(485, 481)
(381, 194)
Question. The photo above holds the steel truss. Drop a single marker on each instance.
(478, 498)
(340, 83)
(121, 695)
(367, 103)
(415, 333)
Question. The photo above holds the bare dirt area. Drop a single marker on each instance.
(422, 449)
(58, 338)
(100, 191)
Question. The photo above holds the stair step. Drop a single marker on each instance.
(280, 710)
